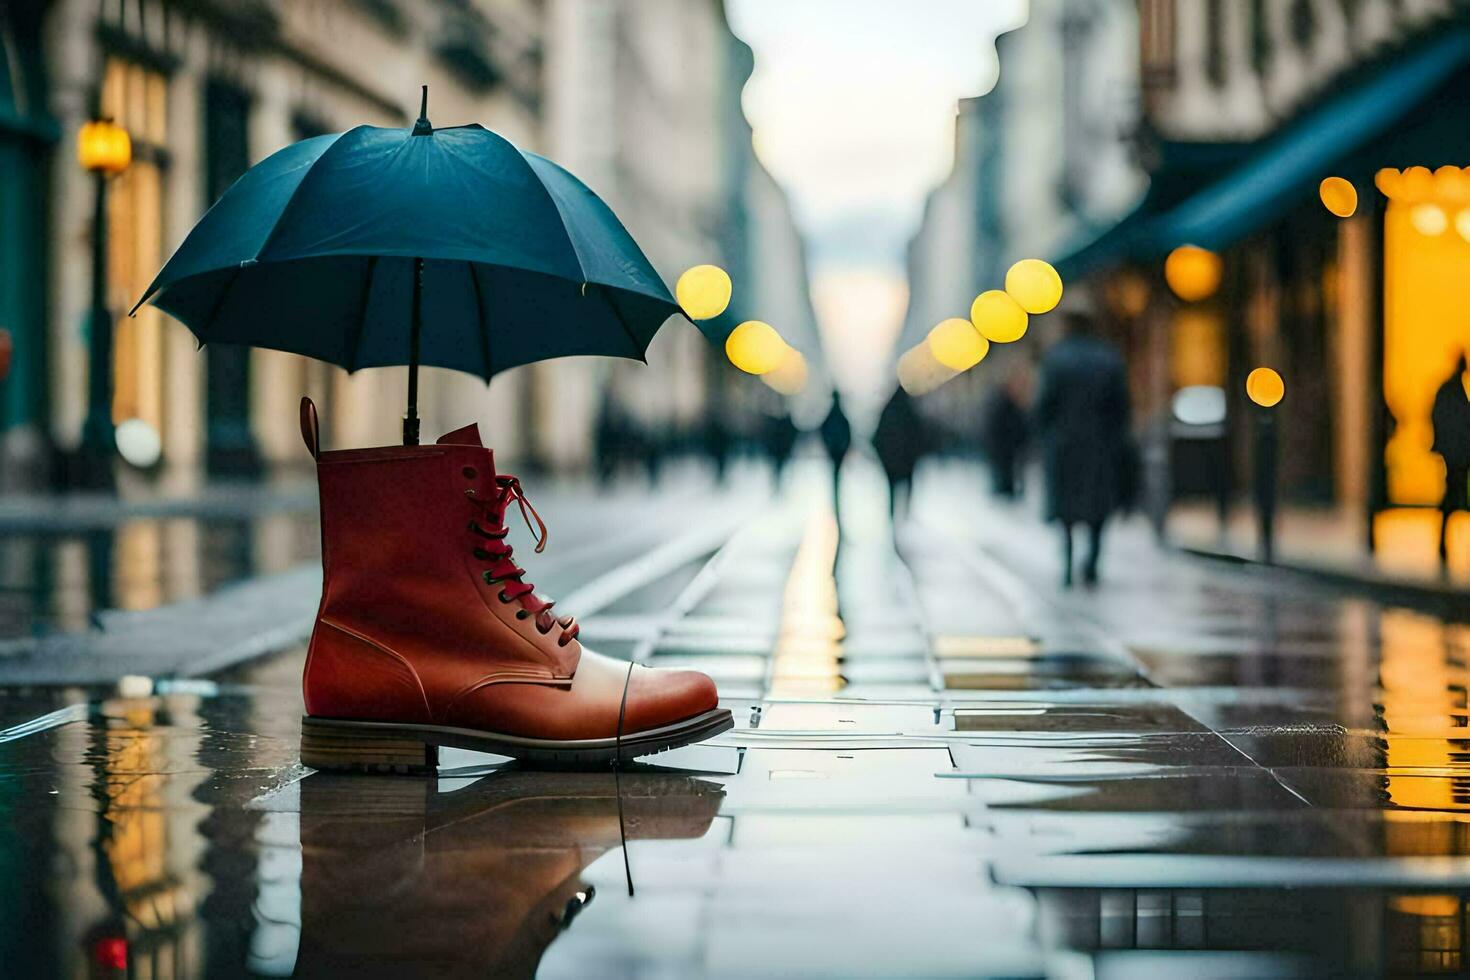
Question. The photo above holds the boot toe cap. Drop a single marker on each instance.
(658, 697)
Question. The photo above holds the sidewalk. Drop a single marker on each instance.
(76, 510)
(1329, 543)
(95, 588)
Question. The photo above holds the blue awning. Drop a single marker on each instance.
(1182, 168)
(1404, 113)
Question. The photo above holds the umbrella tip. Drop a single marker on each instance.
(421, 126)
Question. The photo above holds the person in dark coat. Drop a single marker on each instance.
(1082, 417)
(837, 439)
(899, 441)
(1004, 433)
(1451, 419)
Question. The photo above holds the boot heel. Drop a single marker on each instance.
(345, 747)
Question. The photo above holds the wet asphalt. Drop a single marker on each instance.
(944, 765)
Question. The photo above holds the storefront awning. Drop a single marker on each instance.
(1405, 113)
(1182, 168)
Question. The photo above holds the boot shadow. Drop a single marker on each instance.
(402, 879)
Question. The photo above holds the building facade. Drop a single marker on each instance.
(1254, 105)
(1211, 123)
(640, 99)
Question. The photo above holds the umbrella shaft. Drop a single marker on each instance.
(411, 420)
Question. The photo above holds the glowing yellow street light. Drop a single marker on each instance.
(755, 347)
(1034, 285)
(1193, 273)
(957, 345)
(999, 318)
(104, 147)
(788, 377)
(1264, 387)
(703, 291)
(1339, 196)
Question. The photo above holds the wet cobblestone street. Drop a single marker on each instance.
(942, 766)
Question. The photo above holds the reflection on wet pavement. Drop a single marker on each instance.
(940, 767)
(52, 581)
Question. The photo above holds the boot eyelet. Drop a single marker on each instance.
(483, 555)
(503, 597)
(491, 580)
(563, 641)
(469, 473)
(522, 614)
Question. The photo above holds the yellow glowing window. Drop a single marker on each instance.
(1426, 321)
(136, 99)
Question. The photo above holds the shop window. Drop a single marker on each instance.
(1426, 321)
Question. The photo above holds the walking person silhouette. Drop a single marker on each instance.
(1082, 417)
(1451, 420)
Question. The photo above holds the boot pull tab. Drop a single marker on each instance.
(310, 432)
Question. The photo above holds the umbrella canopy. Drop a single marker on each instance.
(448, 247)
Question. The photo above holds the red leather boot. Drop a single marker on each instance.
(429, 635)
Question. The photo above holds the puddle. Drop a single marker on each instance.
(52, 582)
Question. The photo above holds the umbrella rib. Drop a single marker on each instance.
(641, 348)
(218, 304)
(296, 192)
(480, 315)
(362, 308)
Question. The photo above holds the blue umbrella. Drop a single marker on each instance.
(450, 247)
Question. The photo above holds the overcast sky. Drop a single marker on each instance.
(853, 105)
(853, 101)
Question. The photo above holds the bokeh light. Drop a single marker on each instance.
(1339, 196)
(1264, 387)
(138, 443)
(1462, 223)
(919, 372)
(1428, 219)
(703, 291)
(1193, 273)
(790, 376)
(1034, 285)
(104, 147)
(998, 317)
(957, 345)
(755, 347)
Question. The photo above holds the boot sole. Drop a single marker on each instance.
(379, 746)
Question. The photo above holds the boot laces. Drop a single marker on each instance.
(503, 570)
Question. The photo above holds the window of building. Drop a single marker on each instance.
(136, 97)
(1216, 65)
(1427, 324)
(1157, 42)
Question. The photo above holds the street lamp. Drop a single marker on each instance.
(104, 150)
(1265, 388)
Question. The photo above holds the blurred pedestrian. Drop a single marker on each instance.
(779, 434)
(1451, 420)
(899, 440)
(611, 436)
(1082, 419)
(1004, 432)
(837, 439)
(719, 443)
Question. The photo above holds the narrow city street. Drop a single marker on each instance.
(943, 765)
